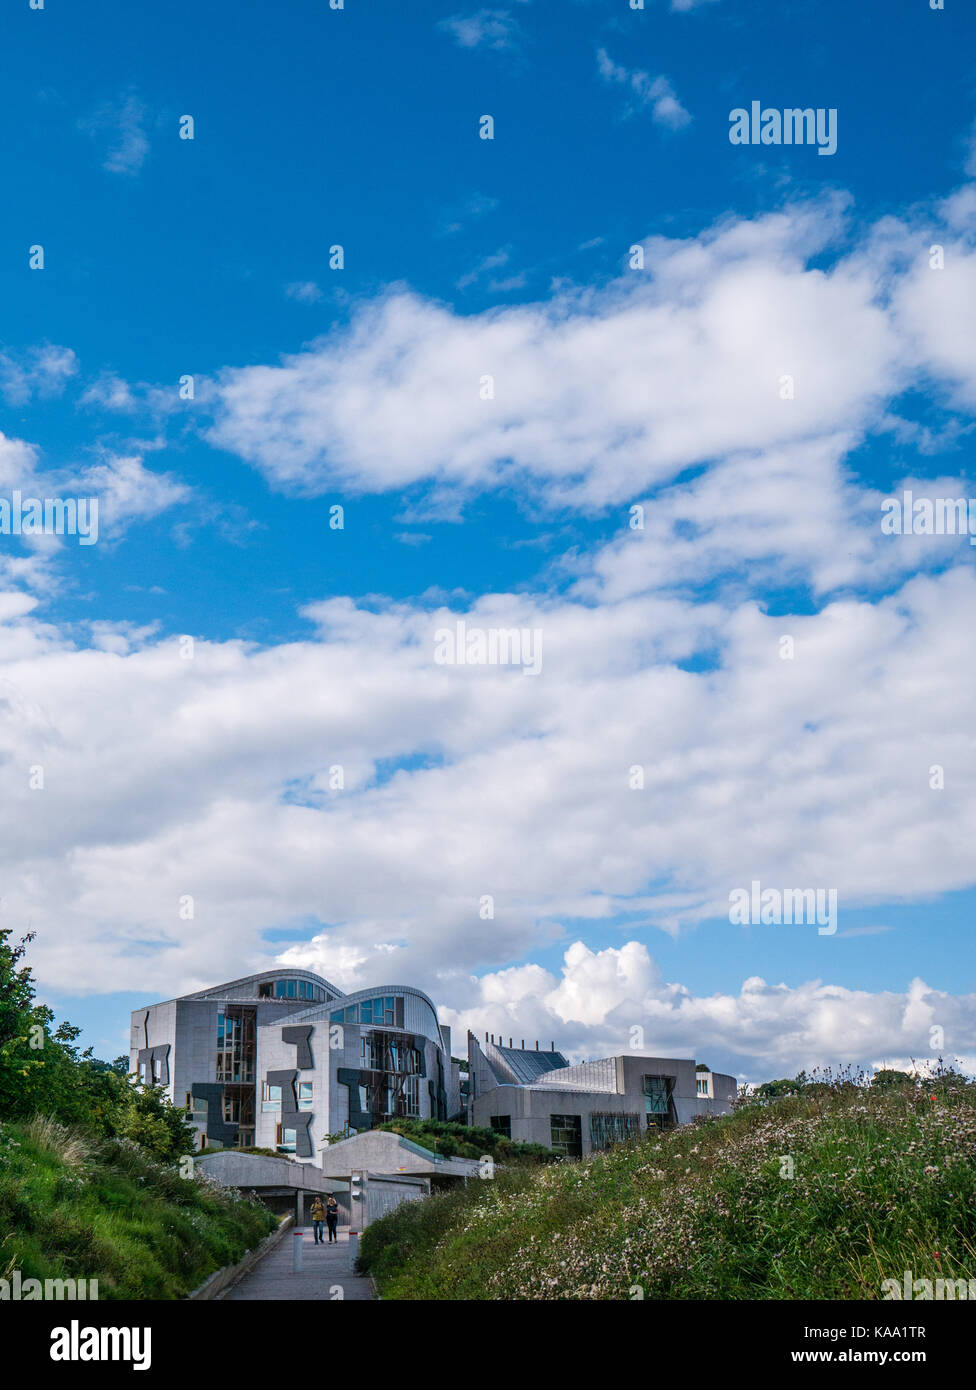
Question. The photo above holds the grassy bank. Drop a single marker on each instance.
(75, 1208)
(884, 1180)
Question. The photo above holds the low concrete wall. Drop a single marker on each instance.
(222, 1279)
(384, 1195)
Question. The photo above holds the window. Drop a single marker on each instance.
(656, 1095)
(412, 1095)
(657, 1101)
(502, 1124)
(379, 1010)
(266, 990)
(566, 1135)
(371, 1052)
(607, 1129)
(304, 1095)
(270, 1097)
(285, 1139)
(236, 1044)
(157, 1070)
(702, 1083)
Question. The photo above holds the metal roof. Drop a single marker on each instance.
(525, 1064)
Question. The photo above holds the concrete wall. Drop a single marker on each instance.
(384, 1195)
(531, 1107)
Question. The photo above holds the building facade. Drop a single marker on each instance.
(281, 1059)
(537, 1097)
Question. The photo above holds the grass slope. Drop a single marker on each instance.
(884, 1181)
(74, 1209)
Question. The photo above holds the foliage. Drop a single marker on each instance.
(42, 1072)
(888, 1077)
(454, 1139)
(883, 1180)
(76, 1207)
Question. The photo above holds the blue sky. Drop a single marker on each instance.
(358, 386)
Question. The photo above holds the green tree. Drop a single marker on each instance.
(785, 1086)
(889, 1077)
(42, 1072)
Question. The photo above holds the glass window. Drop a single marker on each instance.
(656, 1091)
(304, 1095)
(286, 1139)
(291, 989)
(607, 1129)
(280, 986)
(566, 1135)
(412, 1095)
(502, 1124)
(236, 1044)
(270, 1097)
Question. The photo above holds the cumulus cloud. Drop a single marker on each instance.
(214, 777)
(616, 1000)
(597, 395)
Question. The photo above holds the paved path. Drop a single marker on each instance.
(327, 1272)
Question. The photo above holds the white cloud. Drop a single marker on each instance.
(118, 126)
(646, 91)
(602, 396)
(304, 291)
(126, 490)
(763, 1030)
(211, 777)
(42, 371)
(493, 29)
(597, 395)
(495, 261)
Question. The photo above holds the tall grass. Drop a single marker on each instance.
(71, 1208)
(882, 1181)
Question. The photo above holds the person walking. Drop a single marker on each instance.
(318, 1221)
(332, 1217)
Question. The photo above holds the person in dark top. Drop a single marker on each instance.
(332, 1217)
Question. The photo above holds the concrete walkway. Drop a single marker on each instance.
(327, 1272)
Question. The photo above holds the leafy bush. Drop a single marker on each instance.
(451, 1138)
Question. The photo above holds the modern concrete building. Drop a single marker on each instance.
(537, 1097)
(281, 1059)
